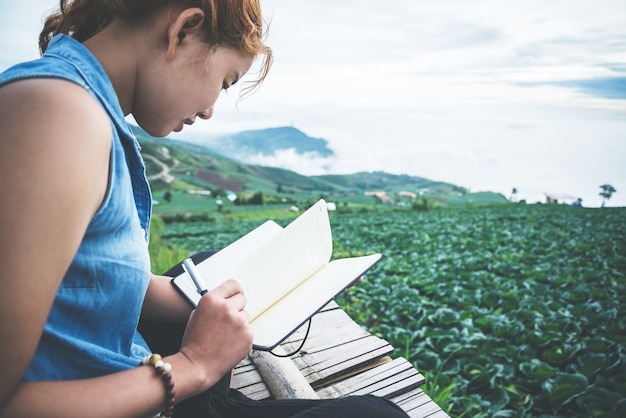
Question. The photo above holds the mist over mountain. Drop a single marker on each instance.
(286, 147)
(268, 141)
(174, 164)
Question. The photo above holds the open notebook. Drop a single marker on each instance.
(286, 273)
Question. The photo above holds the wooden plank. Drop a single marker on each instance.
(340, 358)
(415, 402)
(327, 329)
(386, 380)
(429, 409)
(257, 391)
(328, 365)
(336, 346)
(247, 379)
(418, 404)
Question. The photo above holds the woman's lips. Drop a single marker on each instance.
(183, 123)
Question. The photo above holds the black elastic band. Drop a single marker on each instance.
(301, 345)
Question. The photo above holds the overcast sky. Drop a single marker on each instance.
(488, 95)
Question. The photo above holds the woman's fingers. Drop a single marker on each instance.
(232, 292)
(237, 302)
(227, 289)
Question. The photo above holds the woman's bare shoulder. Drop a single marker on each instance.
(52, 126)
(49, 104)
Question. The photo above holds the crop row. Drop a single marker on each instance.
(518, 310)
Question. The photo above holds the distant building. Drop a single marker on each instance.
(559, 198)
(200, 192)
(382, 196)
(410, 195)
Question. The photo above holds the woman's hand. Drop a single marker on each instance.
(218, 334)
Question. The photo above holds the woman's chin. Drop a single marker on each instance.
(160, 131)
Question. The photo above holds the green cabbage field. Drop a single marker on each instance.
(511, 311)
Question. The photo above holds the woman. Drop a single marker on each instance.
(75, 212)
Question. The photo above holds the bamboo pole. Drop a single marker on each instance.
(281, 376)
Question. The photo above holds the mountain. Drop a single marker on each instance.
(250, 146)
(178, 165)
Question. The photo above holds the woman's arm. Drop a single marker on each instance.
(133, 393)
(217, 337)
(55, 144)
(163, 303)
(53, 176)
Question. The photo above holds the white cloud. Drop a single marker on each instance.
(465, 92)
(309, 163)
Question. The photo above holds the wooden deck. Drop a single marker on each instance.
(339, 358)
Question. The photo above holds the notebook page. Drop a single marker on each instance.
(302, 248)
(219, 267)
(279, 321)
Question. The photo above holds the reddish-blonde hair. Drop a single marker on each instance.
(234, 23)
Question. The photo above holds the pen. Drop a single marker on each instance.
(192, 271)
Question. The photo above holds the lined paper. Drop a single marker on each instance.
(286, 273)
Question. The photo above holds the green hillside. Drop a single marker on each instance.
(190, 178)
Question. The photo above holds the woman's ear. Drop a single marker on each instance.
(183, 23)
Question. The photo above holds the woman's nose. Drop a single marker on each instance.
(206, 114)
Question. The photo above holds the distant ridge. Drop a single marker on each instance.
(190, 164)
(245, 146)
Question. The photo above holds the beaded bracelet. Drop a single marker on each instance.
(164, 370)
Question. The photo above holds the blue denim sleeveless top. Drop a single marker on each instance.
(92, 327)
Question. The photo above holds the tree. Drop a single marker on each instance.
(256, 199)
(607, 192)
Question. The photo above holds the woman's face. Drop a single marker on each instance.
(172, 94)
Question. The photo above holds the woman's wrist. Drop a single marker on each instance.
(190, 377)
(164, 372)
